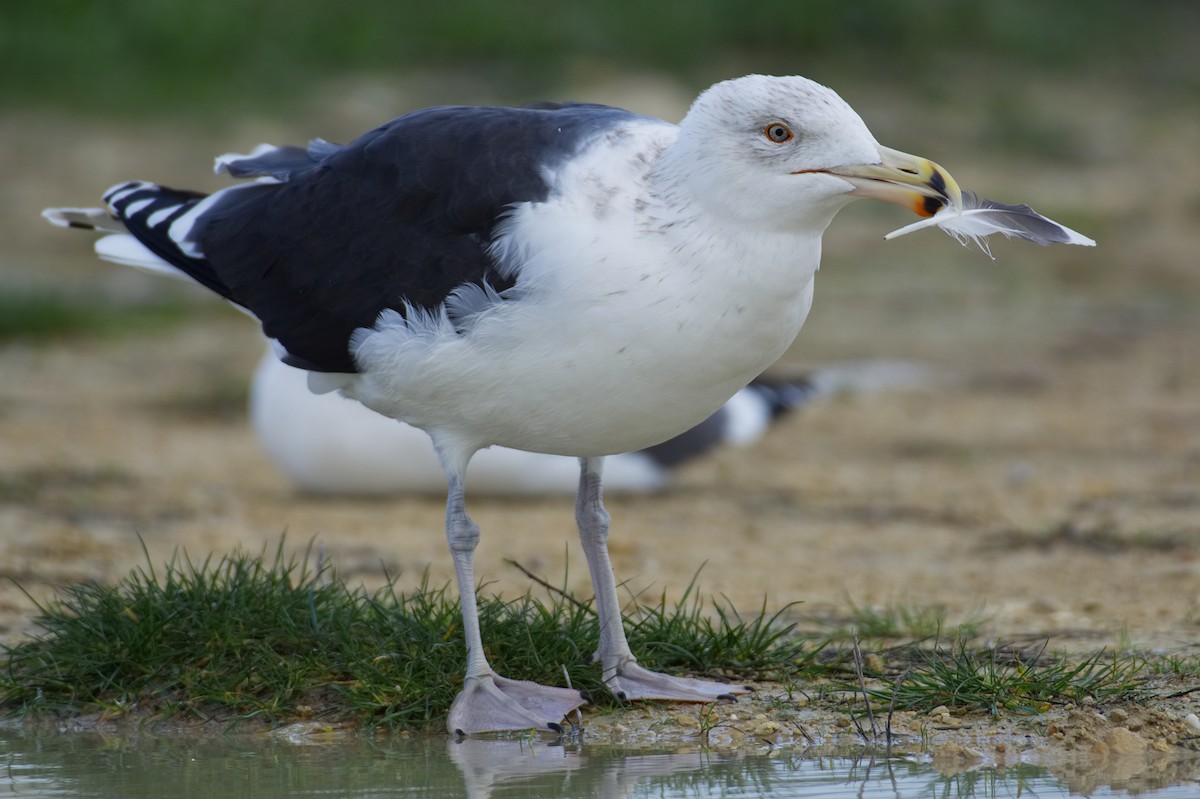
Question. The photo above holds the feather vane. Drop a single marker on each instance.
(980, 217)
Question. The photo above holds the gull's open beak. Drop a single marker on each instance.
(916, 183)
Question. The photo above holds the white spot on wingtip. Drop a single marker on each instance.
(155, 219)
(136, 206)
(123, 190)
(181, 228)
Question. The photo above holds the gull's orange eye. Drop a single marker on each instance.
(778, 132)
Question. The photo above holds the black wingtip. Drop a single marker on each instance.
(783, 395)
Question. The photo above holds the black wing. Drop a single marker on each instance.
(404, 213)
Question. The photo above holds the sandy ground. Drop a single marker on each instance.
(1047, 484)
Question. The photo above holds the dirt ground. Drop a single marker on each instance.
(1046, 484)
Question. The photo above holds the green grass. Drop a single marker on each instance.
(995, 680)
(239, 637)
(684, 635)
(1175, 665)
(902, 620)
(244, 637)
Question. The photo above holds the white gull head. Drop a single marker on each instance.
(757, 151)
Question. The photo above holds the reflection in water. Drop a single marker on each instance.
(490, 767)
(133, 765)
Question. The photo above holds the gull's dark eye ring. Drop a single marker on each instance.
(778, 132)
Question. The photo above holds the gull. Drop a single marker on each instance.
(571, 279)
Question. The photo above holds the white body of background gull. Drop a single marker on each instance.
(326, 444)
(576, 280)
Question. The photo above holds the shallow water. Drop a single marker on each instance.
(92, 764)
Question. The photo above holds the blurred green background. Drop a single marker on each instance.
(153, 56)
